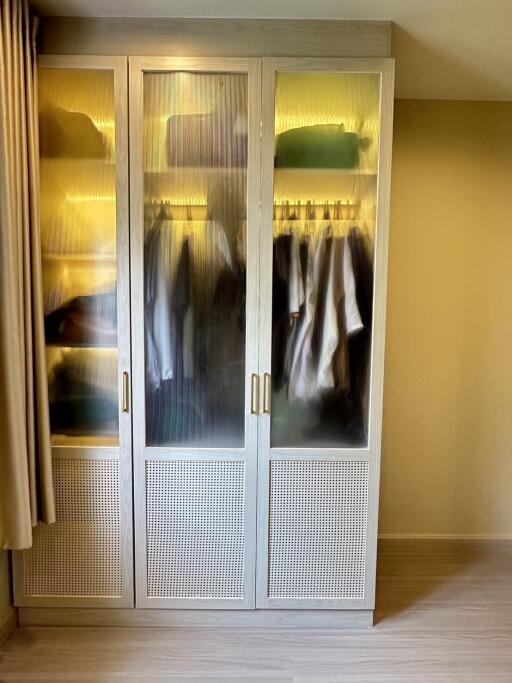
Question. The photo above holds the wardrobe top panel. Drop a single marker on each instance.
(214, 37)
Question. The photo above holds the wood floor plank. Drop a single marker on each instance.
(444, 613)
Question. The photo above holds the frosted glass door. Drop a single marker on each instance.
(325, 183)
(195, 201)
(78, 238)
(85, 559)
(324, 223)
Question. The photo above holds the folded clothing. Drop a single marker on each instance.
(82, 413)
(80, 399)
(205, 140)
(69, 134)
(321, 146)
(84, 320)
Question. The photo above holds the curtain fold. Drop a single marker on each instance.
(26, 485)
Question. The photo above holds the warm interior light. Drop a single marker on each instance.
(103, 124)
(79, 350)
(90, 198)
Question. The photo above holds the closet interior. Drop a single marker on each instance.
(214, 239)
(78, 241)
(195, 206)
(325, 182)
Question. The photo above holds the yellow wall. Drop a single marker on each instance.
(447, 434)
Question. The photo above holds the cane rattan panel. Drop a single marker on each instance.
(79, 555)
(318, 525)
(195, 529)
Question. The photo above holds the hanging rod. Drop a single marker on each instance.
(176, 204)
(315, 203)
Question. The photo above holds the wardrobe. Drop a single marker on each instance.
(214, 245)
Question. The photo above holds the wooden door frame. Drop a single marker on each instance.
(371, 453)
(123, 452)
(137, 67)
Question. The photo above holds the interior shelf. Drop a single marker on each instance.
(192, 170)
(108, 258)
(74, 345)
(78, 161)
(237, 169)
(330, 171)
(85, 441)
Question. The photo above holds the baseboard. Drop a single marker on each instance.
(445, 537)
(8, 625)
(265, 618)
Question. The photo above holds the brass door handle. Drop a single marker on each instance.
(267, 389)
(255, 394)
(125, 406)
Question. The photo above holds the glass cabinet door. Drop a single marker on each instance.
(78, 237)
(85, 558)
(326, 132)
(325, 184)
(195, 257)
(195, 203)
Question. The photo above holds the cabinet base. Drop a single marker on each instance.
(258, 618)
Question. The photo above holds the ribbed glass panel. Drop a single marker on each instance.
(325, 194)
(78, 237)
(195, 174)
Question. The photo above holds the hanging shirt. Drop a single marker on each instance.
(353, 321)
(159, 340)
(221, 247)
(360, 344)
(296, 298)
(302, 383)
(188, 344)
(331, 331)
(296, 280)
(320, 360)
(280, 308)
(180, 305)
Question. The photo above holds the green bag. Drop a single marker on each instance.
(322, 146)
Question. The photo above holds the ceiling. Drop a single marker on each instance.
(445, 49)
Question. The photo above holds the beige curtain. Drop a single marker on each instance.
(26, 488)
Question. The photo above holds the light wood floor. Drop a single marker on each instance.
(444, 613)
